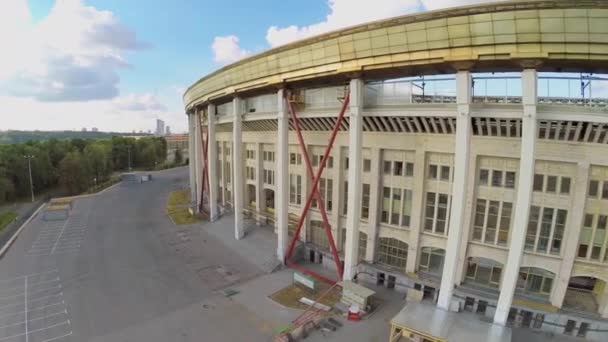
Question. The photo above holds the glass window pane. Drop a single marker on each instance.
(593, 187)
(387, 167)
(605, 190)
(588, 220)
(445, 173)
(510, 179)
(496, 178)
(538, 182)
(398, 170)
(483, 177)
(565, 186)
(367, 165)
(551, 183)
(409, 169)
(433, 171)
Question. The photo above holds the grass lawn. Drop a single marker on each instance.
(290, 295)
(6, 218)
(179, 197)
(177, 207)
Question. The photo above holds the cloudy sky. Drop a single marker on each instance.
(117, 65)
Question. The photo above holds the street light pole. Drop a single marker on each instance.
(29, 166)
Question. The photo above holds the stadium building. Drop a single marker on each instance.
(470, 162)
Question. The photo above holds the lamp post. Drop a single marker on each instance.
(29, 166)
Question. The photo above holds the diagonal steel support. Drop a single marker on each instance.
(205, 156)
(315, 178)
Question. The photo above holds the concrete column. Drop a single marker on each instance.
(212, 163)
(237, 169)
(334, 214)
(282, 176)
(417, 218)
(462, 256)
(576, 216)
(191, 161)
(223, 174)
(374, 201)
(459, 186)
(524, 196)
(260, 202)
(198, 157)
(355, 134)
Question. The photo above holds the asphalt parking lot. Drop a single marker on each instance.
(118, 270)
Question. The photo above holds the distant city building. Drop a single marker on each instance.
(94, 129)
(168, 130)
(149, 131)
(160, 127)
(174, 142)
(84, 129)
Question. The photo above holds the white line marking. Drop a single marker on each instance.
(64, 312)
(27, 326)
(37, 291)
(28, 275)
(33, 331)
(62, 229)
(58, 337)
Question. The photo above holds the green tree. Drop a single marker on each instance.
(178, 159)
(97, 158)
(73, 173)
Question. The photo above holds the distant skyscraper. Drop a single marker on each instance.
(94, 129)
(160, 127)
(168, 130)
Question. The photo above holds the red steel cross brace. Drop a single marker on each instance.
(205, 185)
(315, 178)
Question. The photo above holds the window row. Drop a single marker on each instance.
(365, 200)
(295, 189)
(598, 189)
(545, 229)
(391, 252)
(326, 191)
(250, 172)
(269, 156)
(398, 168)
(492, 221)
(396, 206)
(592, 241)
(295, 159)
(439, 172)
(317, 158)
(250, 154)
(551, 184)
(269, 177)
(436, 213)
(499, 178)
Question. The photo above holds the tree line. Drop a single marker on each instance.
(73, 165)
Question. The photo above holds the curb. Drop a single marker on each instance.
(16, 234)
(93, 194)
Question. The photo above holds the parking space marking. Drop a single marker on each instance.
(62, 237)
(35, 311)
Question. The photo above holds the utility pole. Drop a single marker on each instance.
(29, 165)
(129, 157)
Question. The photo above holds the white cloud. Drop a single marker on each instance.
(73, 54)
(344, 13)
(226, 49)
(139, 103)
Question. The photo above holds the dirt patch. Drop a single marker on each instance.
(290, 295)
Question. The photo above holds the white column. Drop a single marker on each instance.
(212, 163)
(223, 174)
(191, 161)
(524, 196)
(237, 169)
(417, 219)
(282, 180)
(198, 158)
(351, 245)
(576, 215)
(461, 175)
(374, 202)
(260, 200)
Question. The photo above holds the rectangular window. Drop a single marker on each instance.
(295, 189)
(483, 176)
(496, 178)
(386, 204)
(505, 223)
(510, 179)
(387, 167)
(564, 187)
(396, 207)
(480, 218)
(429, 213)
(346, 163)
(538, 182)
(605, 190)
(345, 204)
(593, 188)
(367, 165)
(492, 222)
(442, 214)
(409, 169)
(445, 173)
(558, 231)
(398, 168)
(330, 162)
(365, 202)
(532, 227)
(551, 183)
(315, 160)
(407, 208)
(433, 171)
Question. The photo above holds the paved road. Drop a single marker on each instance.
(118, 270)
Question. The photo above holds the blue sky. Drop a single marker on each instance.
(119, 64)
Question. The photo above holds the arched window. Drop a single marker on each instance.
(535, 280)
(391, 252)
(431, 260)
(484, 272)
